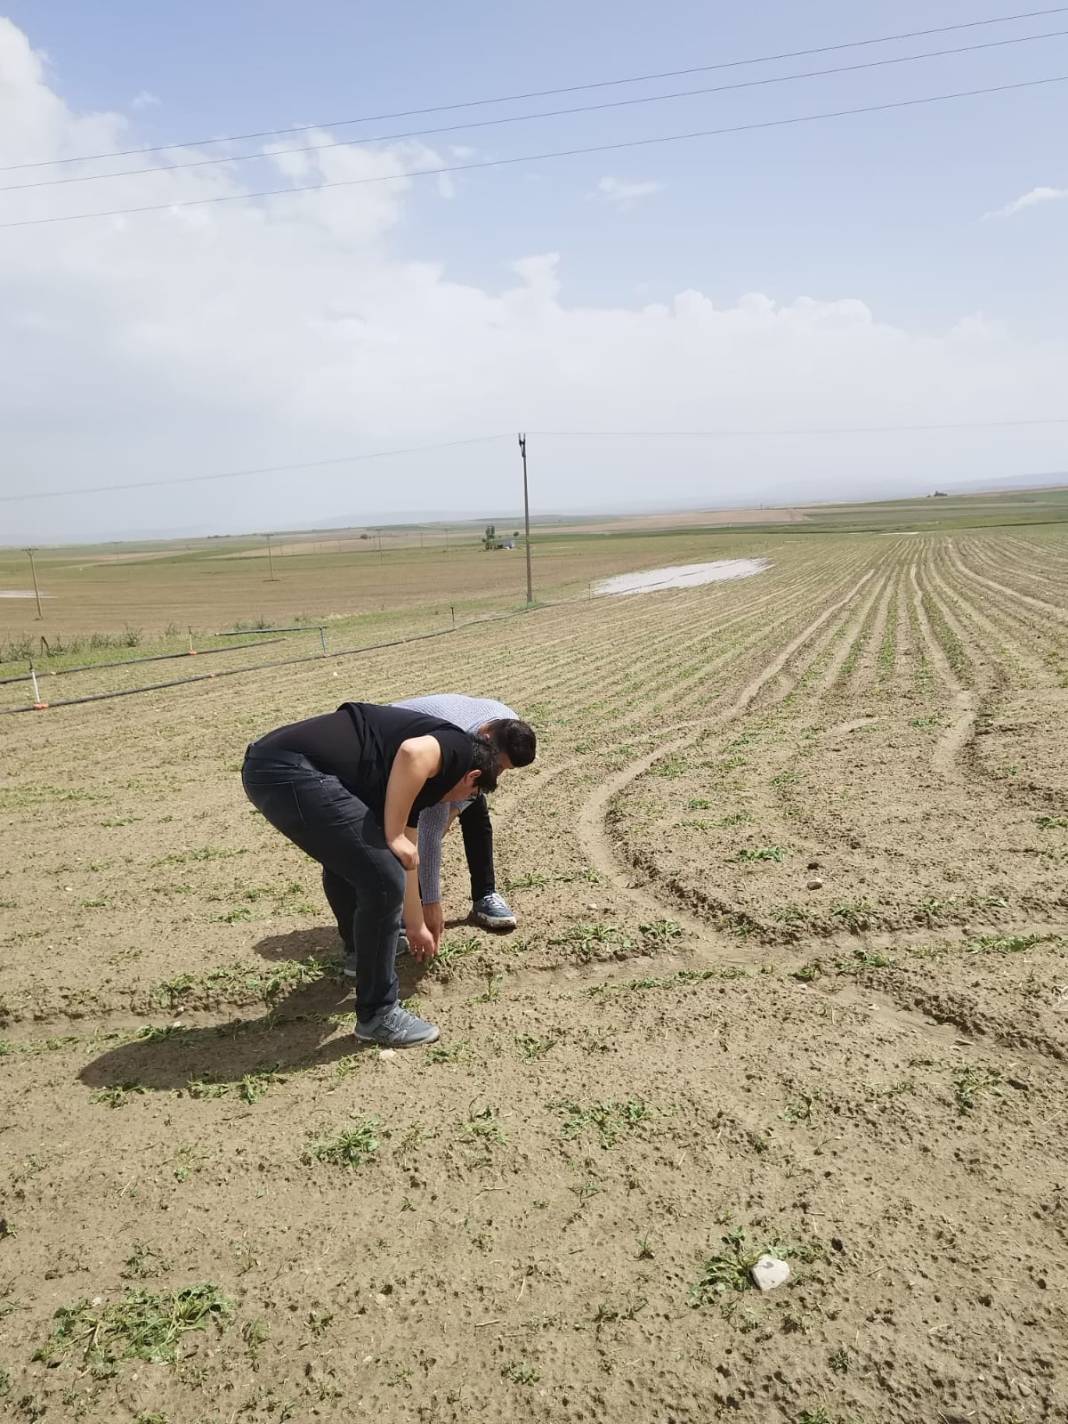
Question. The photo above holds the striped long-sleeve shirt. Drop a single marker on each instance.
(469, 713)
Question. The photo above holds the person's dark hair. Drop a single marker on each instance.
(515, 739)
(484, 761)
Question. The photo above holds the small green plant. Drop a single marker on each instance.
(351, 1148)
(606, 1314)
(530, 1047)
(1004, 944)
(808, 972)
(609, 1120)
(187, 1160)
(255, 1334)
(519, 1372)
(969, 1083)
(484, 1127)
(117, 1095)
(1052, 823)
(238, 915)
(699, 803)
(645, 1251)
(253, 1086)
(240, 981)
(670, 768)
(863, 959)
(458, 1052)
(799, 1109)
(750, 854)
(657, 933)
(589, 939)
(141, 1326)
(144, 1262)
(726, 1271)
(319, 1321)
(533, 880)
(856, 916)
(839, 1361)
(150, 1033)
(452, 950)
(814, 1416)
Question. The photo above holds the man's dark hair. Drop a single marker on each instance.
(515, 739)
(484, 761)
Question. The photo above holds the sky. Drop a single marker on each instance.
(899, 268)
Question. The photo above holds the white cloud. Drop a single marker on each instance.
(145, 99)
(623, 193)
(1029, 200)
(299, 328)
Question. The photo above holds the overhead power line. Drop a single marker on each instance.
(257, 470)
(466, 127)
(725, 433)
(728, 433)
(443, 169)
(543, 93)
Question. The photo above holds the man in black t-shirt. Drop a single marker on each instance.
(348, 789)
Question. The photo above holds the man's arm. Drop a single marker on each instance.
(417, 760)
(433, 824)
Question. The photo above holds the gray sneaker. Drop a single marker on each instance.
(348, 962)
(493, 912)
(395, 1027)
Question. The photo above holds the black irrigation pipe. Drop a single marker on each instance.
(298, 628)
(131, 662)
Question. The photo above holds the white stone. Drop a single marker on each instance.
(387, 1053)
(769, 1272)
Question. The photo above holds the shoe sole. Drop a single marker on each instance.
(489, 923)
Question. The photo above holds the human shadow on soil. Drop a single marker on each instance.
(299, 1030)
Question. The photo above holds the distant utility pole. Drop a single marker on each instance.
(270, 562)
(526, 517)
(36, 590)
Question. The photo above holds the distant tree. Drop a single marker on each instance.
(489, 539)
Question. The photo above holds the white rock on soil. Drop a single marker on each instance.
(769, 1272)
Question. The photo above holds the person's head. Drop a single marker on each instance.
(483, 773)
(514, 742)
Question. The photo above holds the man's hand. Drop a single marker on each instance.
(435, 921)
(420, 942)
(405, 851)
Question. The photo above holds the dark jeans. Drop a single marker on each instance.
(363, 879)
(477, 830)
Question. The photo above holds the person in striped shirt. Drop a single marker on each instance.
(516, 745)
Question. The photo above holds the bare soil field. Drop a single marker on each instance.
(791, 974)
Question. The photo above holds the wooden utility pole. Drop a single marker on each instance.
(36, 590)
(270, 562)
(526, 518)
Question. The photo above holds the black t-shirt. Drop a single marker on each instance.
(359, 741)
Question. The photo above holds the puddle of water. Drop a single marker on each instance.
(18, 593)
(682, 576)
